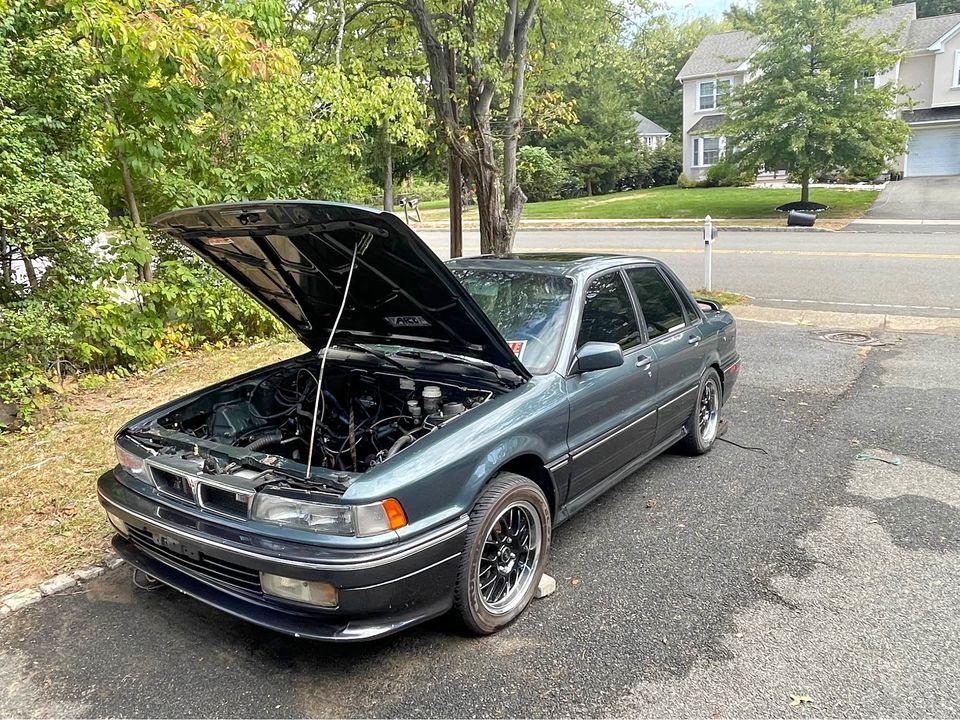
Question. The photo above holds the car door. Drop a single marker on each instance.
(675, 343)
(612, 411)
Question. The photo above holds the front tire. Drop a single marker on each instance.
(508, 540)
(703, 425)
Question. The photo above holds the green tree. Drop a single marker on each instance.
(481, 55)
(601, 148)
(657, 53)
(166, 64)
(809, 106)
(50, 145)
(929, 8)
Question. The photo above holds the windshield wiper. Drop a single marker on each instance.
(376, 353)
(438, 356)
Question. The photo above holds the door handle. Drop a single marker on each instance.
(693, 340)
(644, 362)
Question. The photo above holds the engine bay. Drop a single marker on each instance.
(365, 416)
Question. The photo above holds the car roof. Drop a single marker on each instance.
(569, 264)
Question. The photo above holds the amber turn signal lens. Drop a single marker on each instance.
(396, 518)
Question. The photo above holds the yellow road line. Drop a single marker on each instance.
(719, 251)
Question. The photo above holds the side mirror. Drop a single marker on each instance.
(708, 304)
(596, 356)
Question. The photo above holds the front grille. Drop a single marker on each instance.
(213, 569)
(228, 502)
(171, 483)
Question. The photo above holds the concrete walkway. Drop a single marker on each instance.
(863, 322)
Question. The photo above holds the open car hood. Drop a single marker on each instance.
(294, 256)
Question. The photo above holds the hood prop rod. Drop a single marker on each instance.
(320, 405)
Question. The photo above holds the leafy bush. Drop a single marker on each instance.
(539, 173)
(103, 327)
(686, 183)
(727, 174)
(666, 162)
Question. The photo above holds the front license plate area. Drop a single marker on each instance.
(176, 546)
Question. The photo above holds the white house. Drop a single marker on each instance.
(650, 134)
(929, 74)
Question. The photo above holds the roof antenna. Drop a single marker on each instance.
(317, 407)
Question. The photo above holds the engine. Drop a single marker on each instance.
(363, 418)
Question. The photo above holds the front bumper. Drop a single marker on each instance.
(380, 591)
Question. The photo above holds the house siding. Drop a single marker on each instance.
(690, 117)
(927, 79)
(944, 91)
(916, 79)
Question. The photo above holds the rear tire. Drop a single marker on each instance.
(508, 540)
(703, 425)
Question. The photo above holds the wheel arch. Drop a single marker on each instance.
(531, 466)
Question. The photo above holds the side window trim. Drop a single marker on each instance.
(683, 306)
(637, 310)
(633, 293)
(583, 304)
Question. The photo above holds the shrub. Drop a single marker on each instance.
(539, 174)
(686, 183)
(99, 326)
(727, 174)
(665, 163)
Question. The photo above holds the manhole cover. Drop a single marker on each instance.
(851, 338)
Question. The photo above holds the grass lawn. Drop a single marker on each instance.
(694, 203)
(50, 520)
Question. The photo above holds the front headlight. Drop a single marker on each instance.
(319, 517)
(130, 462)
(358, 520)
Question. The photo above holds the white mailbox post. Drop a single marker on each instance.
(709, 235)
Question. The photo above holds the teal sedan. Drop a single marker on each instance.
(444, 420)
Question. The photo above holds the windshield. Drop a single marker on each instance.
(528, 308)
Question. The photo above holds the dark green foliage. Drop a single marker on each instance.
(929, 8)
(808, 109)
(539, 173)
(726, 174)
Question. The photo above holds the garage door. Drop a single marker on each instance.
(933, 151)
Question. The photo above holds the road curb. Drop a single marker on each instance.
(626, 225)
(56, 585)
(871, 322)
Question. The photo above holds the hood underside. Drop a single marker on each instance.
(294, 258)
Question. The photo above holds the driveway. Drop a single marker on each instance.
(922, 198)
(713, 586)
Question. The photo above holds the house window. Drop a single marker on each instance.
(707, 150)
(867, 80)
(709, 92)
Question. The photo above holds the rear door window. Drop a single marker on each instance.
(608, 314)
(659, 304)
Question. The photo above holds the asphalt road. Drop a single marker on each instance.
(716, 586)
(889, 273)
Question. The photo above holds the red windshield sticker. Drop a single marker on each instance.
(517, 346)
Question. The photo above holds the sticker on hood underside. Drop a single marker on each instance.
(406, 321)
(516, 347)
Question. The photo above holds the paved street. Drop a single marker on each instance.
(717, 586)
(887, 272)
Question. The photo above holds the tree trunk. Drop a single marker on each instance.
(495, 235)
(805, 188)
(589, 187)
(6, 261)
(145, 271)
(388, 176)
(30, 270)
